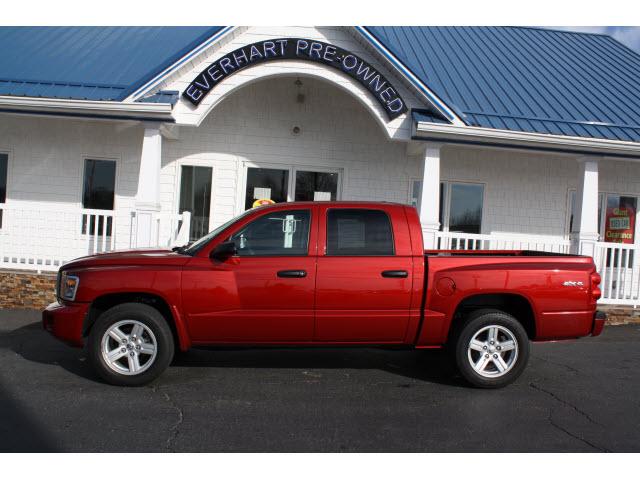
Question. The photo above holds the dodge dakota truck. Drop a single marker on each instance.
(322, 274)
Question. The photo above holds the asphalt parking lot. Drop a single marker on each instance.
(581, 396)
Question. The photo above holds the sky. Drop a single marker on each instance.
(630, 36)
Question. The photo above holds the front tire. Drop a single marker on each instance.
(492, 349)
(130, 345)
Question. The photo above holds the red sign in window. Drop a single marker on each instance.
(620, 222)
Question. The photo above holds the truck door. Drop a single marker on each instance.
(265, 292)
(364, 276)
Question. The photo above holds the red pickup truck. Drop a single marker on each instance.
(317, 274)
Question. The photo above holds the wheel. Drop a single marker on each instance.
(130, 344)
(492, 349)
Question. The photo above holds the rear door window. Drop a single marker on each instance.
(359, 232)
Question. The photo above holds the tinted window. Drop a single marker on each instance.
(275, 233)
(465, 208)
(195, 197)
(316, 186)
(99, 184)
(266, 184)
(359, 232)
(4, 160)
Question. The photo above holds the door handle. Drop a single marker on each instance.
(395, 274)
(292, 273)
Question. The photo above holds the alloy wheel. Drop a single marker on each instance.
(129, 347)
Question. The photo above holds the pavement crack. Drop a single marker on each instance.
(568, 367)
(174, 431)
(574, 408)
(565, 403)
(175, 428)
(573, 435)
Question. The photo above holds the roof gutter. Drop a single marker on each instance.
(87, 108)
(532, 141)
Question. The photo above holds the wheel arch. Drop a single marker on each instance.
(171, 314)
(514, 304)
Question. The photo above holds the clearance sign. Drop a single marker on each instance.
(620, 224)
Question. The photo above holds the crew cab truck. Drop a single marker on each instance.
(318, 274)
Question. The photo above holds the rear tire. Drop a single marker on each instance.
(130, 345)
(492, 349)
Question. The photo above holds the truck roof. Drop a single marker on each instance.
(336, 202)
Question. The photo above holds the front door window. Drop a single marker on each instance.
(281, 233)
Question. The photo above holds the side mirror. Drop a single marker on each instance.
(223, 251)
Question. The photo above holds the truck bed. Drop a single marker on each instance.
(498, 253)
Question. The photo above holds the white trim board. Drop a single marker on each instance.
(480, 135)
(87, 107)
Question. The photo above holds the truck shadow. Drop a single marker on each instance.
(431, 366)
(35, 345)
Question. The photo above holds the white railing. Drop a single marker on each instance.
(619, 267)
(617, 263)
(474, 241)
(44, 238)
(172, 229)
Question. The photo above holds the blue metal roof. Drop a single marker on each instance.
(514, 78)
(420, 115)
(526, 79)
(92, 63)
(161, 96)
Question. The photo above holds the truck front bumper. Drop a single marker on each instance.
(64, 321)
(599, 319)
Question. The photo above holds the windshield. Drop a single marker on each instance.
(201, 242)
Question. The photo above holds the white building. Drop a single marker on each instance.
(504, 138)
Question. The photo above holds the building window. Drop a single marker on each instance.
(460, 205)
(465, 207)
(616, 216)
(359, 232)
(195, 197)
(416, 194)
(266, 184)
(620, 219)
(290, 183)
(283, 233)
(4, 166)
(316, 186)
(572, 210)
(98, 194)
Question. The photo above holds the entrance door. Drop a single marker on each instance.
(195, 197)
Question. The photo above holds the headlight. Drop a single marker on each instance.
(68, 286)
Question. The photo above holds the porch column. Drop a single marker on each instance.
(430, 198)
(148, 194)
(584, 232)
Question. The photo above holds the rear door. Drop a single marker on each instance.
(364, 275)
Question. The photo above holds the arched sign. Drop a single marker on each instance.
(298, 49)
